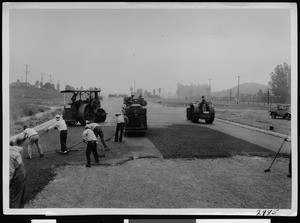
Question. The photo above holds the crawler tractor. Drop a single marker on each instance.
(196, 110)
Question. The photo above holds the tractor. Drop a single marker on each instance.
(197, 110)
(84, 106)
(136, 112)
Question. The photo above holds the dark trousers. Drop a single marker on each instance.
(17, 188)
(91, 147)
(290, 164)
(120, 128)
(63, 140)
(98, 132)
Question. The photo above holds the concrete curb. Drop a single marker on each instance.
(254, 129)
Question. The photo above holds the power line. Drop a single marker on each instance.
(238, 90)
(209, 92)
(26, 73)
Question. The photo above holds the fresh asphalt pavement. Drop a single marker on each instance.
(153, 182)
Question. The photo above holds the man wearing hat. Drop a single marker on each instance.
(98, 132)
(62, 128)
(88, 136)
(120, 126)
(33, 137)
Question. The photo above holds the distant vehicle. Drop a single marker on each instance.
(85, 105)
(136, 112)
(282, 110)
(195, 111)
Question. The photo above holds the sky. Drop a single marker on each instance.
(116, 48)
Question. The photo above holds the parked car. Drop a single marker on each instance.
(281, 110)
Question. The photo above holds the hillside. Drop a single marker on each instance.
(26, 101)
(246, 88)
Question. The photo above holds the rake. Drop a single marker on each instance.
(269, 169)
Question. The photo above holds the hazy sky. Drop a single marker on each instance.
(111, 47)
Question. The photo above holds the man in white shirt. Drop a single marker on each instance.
(88, 136)
(121, 119)
(34, 138)
(17, 177)
(98, 132)
(62, 128)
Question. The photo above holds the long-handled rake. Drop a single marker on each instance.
(75, 145)
(269, 169)
(109, 138)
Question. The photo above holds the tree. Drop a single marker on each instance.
(280, 83)
(131, 90)
(159, 90)
(81, 88)
(68, 87)
(37, 84)
(49, 85)
(154, 92)
(57, 86)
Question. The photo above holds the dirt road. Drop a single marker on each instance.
(135, 176)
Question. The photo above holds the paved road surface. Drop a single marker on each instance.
(158, 183)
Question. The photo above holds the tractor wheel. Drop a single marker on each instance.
(100, 115)
(71, 123)
(209, 121)
(102, 118)
(188, 114)
(86, 112)
(194, 119)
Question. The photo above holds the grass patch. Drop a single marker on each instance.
(190, 141)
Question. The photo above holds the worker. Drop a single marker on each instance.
(34, 138)
(73, 99)
(121, 119)
(202, 105)
(98, 132)
(90, 139)
(62, 128)
(288, 139)
(17, 177)
(17, 140)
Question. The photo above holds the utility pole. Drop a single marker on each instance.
(238, 91)
(209, 92)
(26, 73)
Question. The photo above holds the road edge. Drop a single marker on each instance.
(254, 128)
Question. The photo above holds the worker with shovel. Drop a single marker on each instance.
(98, 132)
(90, 139)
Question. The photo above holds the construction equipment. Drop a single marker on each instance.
(136, 112)
(269, 169)
(85, 105)
(197, 110)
